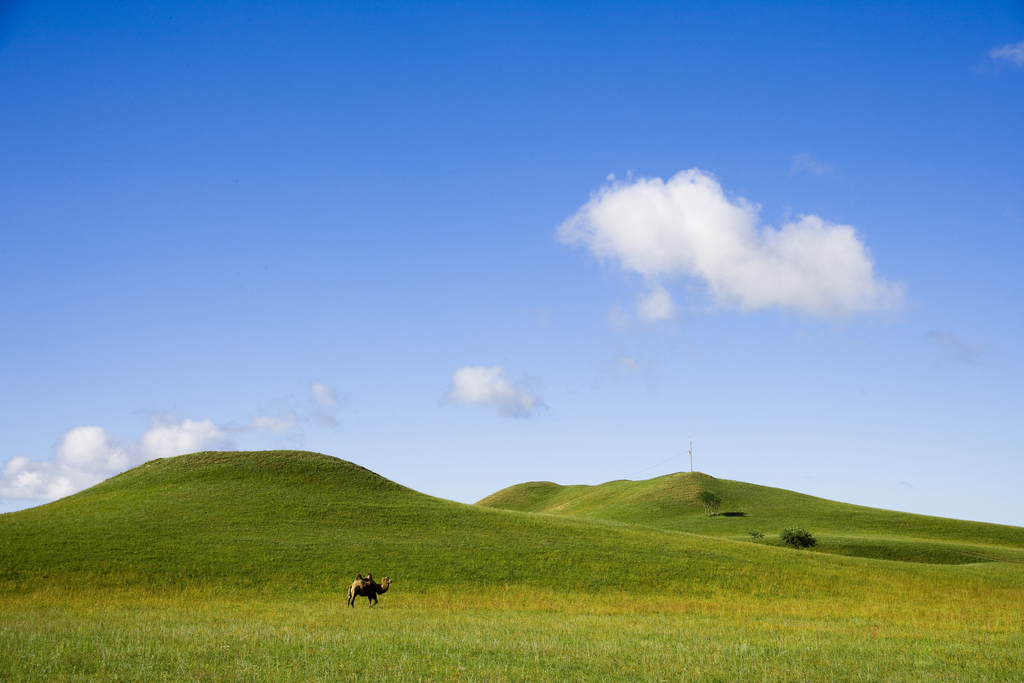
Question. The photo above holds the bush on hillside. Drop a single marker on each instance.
(797, 537)
(755, 535)
(710, 500)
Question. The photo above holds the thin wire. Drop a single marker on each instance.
(658, 465)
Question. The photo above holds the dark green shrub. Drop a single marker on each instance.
(797, 537)
(755, 535)
(710, 500)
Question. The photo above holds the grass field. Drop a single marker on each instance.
(234, 566)
(199, 636)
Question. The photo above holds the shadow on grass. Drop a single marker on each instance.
(733, 514)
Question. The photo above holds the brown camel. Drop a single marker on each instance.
(368, 587)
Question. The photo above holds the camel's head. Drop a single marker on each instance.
(385, 582)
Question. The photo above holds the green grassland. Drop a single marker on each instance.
(235, 566)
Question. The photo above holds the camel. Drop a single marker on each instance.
(368, 587)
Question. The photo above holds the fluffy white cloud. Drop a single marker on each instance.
(687, 227)
(84, 456)
(92, 449)
(167, 437)
(487, 386)
(1014, 54)
(87, 455)
(24, 479)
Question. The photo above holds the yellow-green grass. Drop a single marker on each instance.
(234, 566)
(669, 502)
(508, 636)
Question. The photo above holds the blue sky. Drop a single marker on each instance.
(468, 245)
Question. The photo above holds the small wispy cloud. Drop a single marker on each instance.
(320, 407)
(1012, 54)
(806, 162)
(656, 305)
(624, 368)
(325, 405)
(283, 422)
(687, 227)
(956, 348)
(625, 363)
(323, 396)
(488, 386)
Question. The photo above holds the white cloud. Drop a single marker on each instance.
(287, 420)
(805, 162)
(1014, 54)
(92, 449)
(656, 305)
(487, 386)
(320, 407)
(323, 395)
(24, 479)
(167, 437)
(325, 404)
(687, 227)
(85, 456)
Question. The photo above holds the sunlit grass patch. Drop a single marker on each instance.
(198, 635)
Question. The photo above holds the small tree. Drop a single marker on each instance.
(755, 535)
(797, 537)
(711, 502)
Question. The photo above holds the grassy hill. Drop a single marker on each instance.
(300, 520)
(234, 566)
(297, 521)
(669, 502)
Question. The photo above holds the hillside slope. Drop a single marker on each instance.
(669, 502)
(298, 521)
(311, 521)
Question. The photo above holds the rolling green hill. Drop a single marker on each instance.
(669, 502)
(295, 521)
(234, 566)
